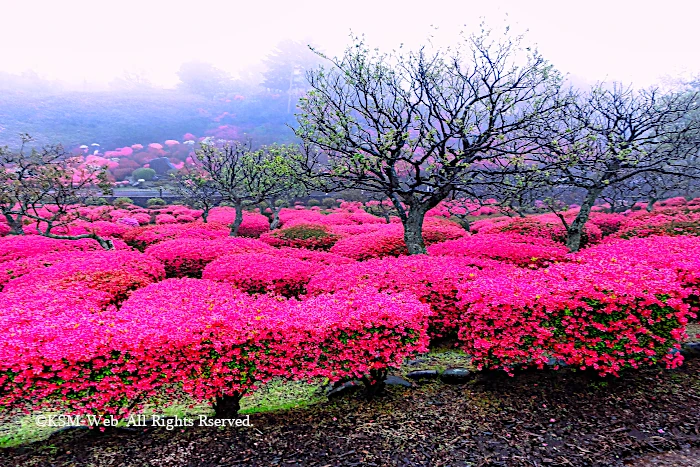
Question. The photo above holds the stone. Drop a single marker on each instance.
(396, 381)
(415, 362)
(456, 376)
(422, 374)
(343, 389)
(690, 349)
(552, 362)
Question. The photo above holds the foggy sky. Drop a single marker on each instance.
(96, 41)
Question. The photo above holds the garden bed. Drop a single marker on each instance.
(536, 418)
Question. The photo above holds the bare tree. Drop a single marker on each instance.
(197, 190)
(243, 176)
(612, 136)
(417, 127)
(48, 186)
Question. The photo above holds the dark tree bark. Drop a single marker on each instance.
(375, 383)
(15, 223)
(574, 232)
(227, 406)
(238, 220)
(413, 231)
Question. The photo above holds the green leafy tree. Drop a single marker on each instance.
(143, 173)
(243, 176)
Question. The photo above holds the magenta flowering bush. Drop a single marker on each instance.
(117, 273)
(25, 246)
(150, 234)
(607, 318)
(259, 273)
(433, 280)
(199, 336)
(187, 257)
(388, 241)
(315, 256)
(543, 226)
(519, 250)
(677, 256)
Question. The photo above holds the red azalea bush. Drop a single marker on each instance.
(608, 224)
(385, 242)
(316, 256)
(660, 223)
(165, 219)
(433, 280)
(309, 236)
(151, 234)
(116, 273)
(679, 256)
(437, 230)
(4, 229)
(543, 226)
(253, 225)
(607, 318)
(200, 336)
(16, 268)
(511, 248)
(262, 273)
(388, 239)
(187, 257)
(25, 246)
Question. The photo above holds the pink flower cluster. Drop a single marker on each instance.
(117, 273)
(201, 336)
(543, 226)
(187, 257)
(388, 240)
(521, 250)
(604, 317)
(262, 273)
(434, 280)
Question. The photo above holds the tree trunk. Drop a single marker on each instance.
(15, 224)
(650, 204)
(275, 222)
(574, 232)
(413, 230)
(205, 215)
(375, 383)
(238, 221)
(227, 406)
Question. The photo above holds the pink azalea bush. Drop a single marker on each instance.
(315, 256)
(198, 336)
(151, 234)
(519, 250)
(117, 273)
(543, 226)
(187, 257)
(604, 317)
(25, 246)
(678, 256)
(385, 242)
(257, 273)
(433, 280)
